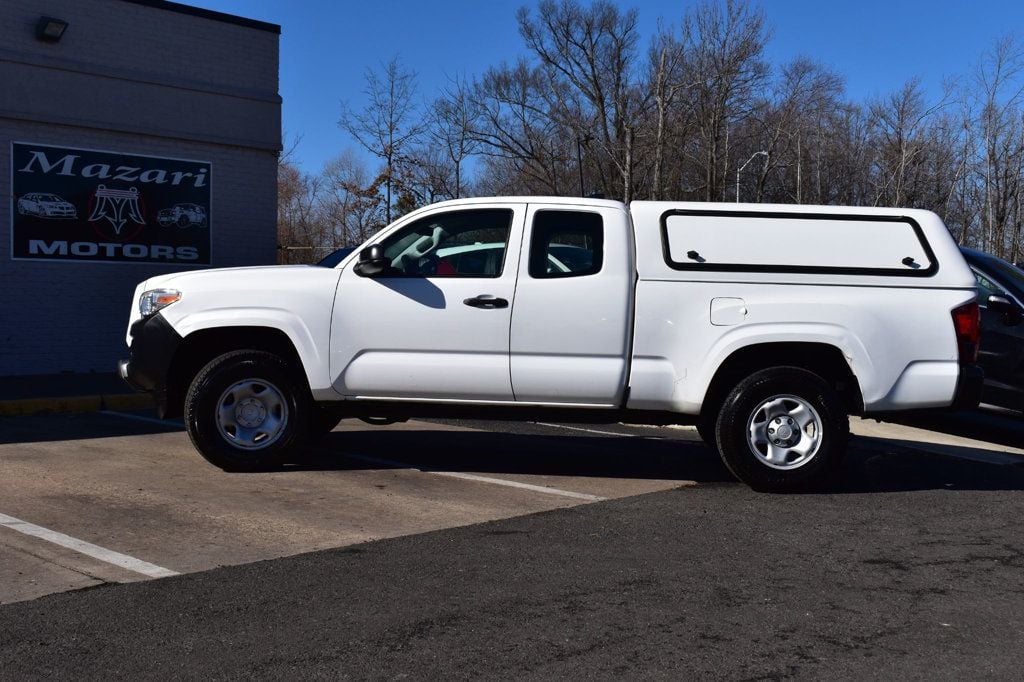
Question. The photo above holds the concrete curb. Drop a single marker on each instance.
(72, 404)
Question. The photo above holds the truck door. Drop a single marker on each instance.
(435, 324)
(572, 313)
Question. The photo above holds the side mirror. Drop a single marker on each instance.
(1011, 312)
(372, 261)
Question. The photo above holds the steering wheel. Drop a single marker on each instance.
(426, 266)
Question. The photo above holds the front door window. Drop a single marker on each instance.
(455, 244)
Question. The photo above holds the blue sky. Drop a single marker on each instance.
(326, 45)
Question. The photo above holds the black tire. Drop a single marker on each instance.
(806, 471)
(324, 420)
(706, 428)
(183, 221)
(238, 367)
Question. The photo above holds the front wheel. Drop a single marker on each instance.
(248, 411)
(783, 429)
(324, 420)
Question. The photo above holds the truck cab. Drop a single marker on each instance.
(445, 327)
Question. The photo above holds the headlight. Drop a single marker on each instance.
(155, 300)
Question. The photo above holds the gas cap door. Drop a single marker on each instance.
(727, 312)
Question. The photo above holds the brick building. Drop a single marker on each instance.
(137, 137)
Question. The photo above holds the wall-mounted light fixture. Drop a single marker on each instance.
(50, 30)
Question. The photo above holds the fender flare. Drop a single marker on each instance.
(312, 358)
(748, 336)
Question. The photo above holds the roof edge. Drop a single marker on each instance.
(208, 14)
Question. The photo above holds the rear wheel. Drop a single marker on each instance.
(706, 428)
(783, 429)
(248, 411)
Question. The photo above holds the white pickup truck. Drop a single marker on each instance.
(765, 325)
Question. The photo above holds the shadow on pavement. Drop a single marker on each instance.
(486, 452)
(883, 465)
(991, 427)
(43, 428)
(873, 465)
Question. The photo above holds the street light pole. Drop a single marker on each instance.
(740, 170)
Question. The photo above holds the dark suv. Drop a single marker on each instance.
(1001, 298)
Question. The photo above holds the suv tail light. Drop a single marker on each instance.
(967, 322)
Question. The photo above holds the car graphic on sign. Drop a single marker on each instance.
(182, 215)
(44, 205)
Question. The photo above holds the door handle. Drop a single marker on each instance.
(486, 301)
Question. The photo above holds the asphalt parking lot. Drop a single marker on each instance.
(622, 549)
(134, 486)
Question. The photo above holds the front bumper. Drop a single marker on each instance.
(968, 387)
(127, 374)
(154, 343)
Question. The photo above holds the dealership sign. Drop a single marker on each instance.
(86, 205)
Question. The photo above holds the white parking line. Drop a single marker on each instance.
(481, 479)
(86, 548)
(603, 433)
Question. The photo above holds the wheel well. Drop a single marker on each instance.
(198, 348)
(826, 361)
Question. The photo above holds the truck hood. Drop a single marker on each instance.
(180, 279)
(260, 295)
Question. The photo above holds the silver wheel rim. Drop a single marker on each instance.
(252, 414)
(784, 432)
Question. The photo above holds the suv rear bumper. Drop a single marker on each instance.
(154, 343)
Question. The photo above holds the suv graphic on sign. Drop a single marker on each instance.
(182, 215)
(43, 205)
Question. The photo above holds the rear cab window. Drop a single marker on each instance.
(566, 244)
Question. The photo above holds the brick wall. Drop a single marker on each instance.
(142, 80)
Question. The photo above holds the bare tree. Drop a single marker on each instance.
(999, 89)
(453, 118)
(516, 128)
(389, 122)
(589, 56)
(726, 43)
(298, 222)
(787, 124)
(667, 74)
(901, 124)
(350, 200)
